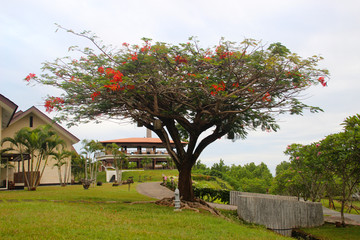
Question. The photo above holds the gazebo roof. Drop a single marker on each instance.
(136, 142)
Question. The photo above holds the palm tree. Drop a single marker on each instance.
(90, 148)
(62, 158)
(39, 143)
(20, 144)
(119, 157)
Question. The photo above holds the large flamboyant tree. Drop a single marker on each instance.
(206, 93)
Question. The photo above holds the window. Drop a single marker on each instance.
(31, 121)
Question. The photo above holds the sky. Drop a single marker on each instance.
(329, 28)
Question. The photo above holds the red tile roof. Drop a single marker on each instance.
(138, 141)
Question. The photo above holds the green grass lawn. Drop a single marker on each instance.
(330, 232)
(154, 175)
(99, 218)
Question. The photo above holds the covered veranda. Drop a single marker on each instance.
(12, 171)
(139, 150)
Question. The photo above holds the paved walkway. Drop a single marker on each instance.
(154, 190)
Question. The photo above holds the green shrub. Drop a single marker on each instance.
(211, 195)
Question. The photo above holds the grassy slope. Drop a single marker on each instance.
(92, 220)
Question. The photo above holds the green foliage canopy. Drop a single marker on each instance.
(183, 90)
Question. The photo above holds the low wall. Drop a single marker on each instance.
(278, 213)
(235, 194)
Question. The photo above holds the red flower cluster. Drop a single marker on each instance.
(146, 47)
(52, 102)
(117, 87)
(134, 57)
(180, 59)
(219, 87)
(30, 76)
(322, 81)
(266, 97)
(226, 54)
(94, 95)
(114, 76)
(101, 70)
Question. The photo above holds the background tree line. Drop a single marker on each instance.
(248, 178)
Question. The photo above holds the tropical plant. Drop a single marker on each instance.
(62, 158)
(119, 158)
(91, 148)
(39, 143)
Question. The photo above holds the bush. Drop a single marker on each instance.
(211, 195)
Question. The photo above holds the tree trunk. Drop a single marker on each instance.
(59, 172)
(342, 213)
(185, 182)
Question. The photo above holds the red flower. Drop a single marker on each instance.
(180, 59)
(94, 95)
(266, 97)
(30, 76)
(322, 81)
(219, 87)
(134, 57)
(130, 87)
(117, 77)
(101, 70)
(113, 87)
(109, 72)
(53, 102)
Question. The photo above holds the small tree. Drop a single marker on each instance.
(91, 148)
(178, 90)
(62, 158)
(119, 158)
(310, 168)
(77, 166)
(342, 154)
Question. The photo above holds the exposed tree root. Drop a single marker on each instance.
(140, 202)
(196, 206)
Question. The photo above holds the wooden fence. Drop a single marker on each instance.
(279, 213)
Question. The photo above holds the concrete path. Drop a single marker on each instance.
(155, 190)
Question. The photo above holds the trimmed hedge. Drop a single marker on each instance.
(212, 195)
